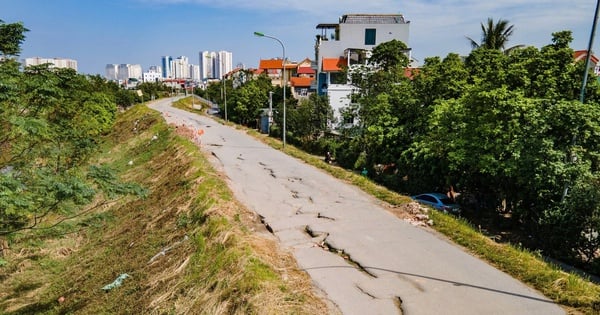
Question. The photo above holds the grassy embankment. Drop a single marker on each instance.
(573, 292)
(215, 259)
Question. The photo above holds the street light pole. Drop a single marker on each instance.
(583, 85)
(224, 86)
(270, 112)
(283, 82)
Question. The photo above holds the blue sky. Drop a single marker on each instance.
(98, 32)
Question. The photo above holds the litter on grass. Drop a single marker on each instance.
(117, 283)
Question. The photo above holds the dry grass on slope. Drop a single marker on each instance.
(188, 248)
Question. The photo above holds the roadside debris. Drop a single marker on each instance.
(164, 251)
(418, 215)
(117, 283)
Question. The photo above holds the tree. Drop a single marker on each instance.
(441, 79)
(11, 37)
(52, 120)
(390, 55)
(245, 103)
(494, 35)
(309, 120)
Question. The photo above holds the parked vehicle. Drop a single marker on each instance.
(438, 201)
(216, 111)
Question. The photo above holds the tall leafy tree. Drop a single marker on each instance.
(388, 106)
(246, 102)
(389, 55)
(309, 120)
(441, 79)
(11, 37)
(52, 120)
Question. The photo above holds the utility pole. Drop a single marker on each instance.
(572, 156)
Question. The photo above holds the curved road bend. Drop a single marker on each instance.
(386, 265)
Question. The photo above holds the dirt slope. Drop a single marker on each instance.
(187, 248)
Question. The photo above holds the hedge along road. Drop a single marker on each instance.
(365, 259)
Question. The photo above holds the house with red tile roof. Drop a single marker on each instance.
(300, 75)
(303, 83)
(273, 68)
(301, 86)
(581, 55)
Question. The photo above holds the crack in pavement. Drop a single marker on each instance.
(320, 216)
(267, 226)
(348, 258)
(365, 292)
(294, 179)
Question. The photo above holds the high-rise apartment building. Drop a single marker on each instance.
(55, 62)
(123, 72)
(181, 68)
(129, 71)
(215, 65)
(225, 64)
(194, 72)
(207, 70)
(167, 67)
(111, 72)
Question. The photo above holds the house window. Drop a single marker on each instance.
(370, 36)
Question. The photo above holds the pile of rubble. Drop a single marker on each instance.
(417, 214)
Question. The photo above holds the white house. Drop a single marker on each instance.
(153, 75)
(349, 42)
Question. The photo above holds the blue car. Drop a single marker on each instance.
(437, 201)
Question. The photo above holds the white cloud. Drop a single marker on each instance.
(437, 26)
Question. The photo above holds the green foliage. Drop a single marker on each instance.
(153, 89)
(570, 229)
(11, 37)
(390, 55)
(441, 79)
(497, 125)
(125, 98)
(52, 120)
(309, 120)
(246, 103)
(108, 182)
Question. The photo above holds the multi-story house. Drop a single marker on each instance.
(581, 55)
(302, 82)
(154, 74)
(273, 68)
(350, 42)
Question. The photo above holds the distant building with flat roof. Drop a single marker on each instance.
(56, 62)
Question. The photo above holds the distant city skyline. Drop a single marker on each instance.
(96, 33)
(211, 65)
(56, 62)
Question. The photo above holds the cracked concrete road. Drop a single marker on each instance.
(365, 259)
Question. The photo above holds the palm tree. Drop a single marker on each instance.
(494, 36)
